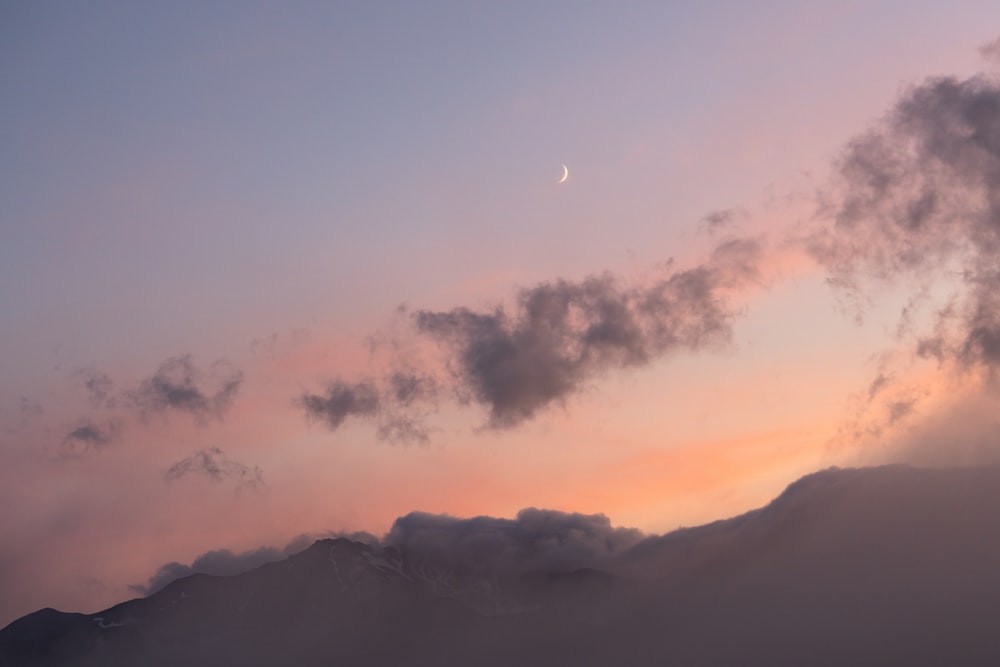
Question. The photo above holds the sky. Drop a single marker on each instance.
(270, 272)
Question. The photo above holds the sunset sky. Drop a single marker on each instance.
(272, 269)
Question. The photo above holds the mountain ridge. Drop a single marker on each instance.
(892, 563)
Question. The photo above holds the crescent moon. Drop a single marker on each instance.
(565, 174)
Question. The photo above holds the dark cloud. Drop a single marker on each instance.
(89, 436)
(536, 540)
(558, 335)
(394, 404)
(917, 200)
(178, 385)
(409, 387)
(217, 466)
(719, 220)
(402, 428)
(342, 400)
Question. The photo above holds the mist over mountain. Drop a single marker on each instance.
(888, 565)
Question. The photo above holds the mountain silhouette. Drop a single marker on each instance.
(889, 565)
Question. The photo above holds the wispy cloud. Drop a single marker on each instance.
(218, 467)
(518, 360)
(89, 436)
(397, 403)
(180, 386)
(223, 562)
(916, 200)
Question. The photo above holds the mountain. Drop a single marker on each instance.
(890, 565)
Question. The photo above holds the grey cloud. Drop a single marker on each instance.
(401, 428)
(408, 387)
(991, 51)
(342, 400)
(394, 404)
(717, 220)
(932, 346)
(217, 466)
(899, 409)
(556, 337)
(560, 334)
(536, 540)
(223, 562)
(89, 436)
(917, 200)
(180, 386)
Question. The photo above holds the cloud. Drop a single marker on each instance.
(217, 466)
(89, 436)
(178, 385)
(991, 51)
(916, 200)
(342, 400)
(223, 562)
(716, 221)
(878, 384)
(536, 540)
(397, 404)
(99, 387)
(518, 360)
(560, 334)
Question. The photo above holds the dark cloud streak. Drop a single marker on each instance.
(397, 404)
(560, 334)
(178, 385)
(217, 466)
(89, 436)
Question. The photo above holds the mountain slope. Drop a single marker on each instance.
(890, 565)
